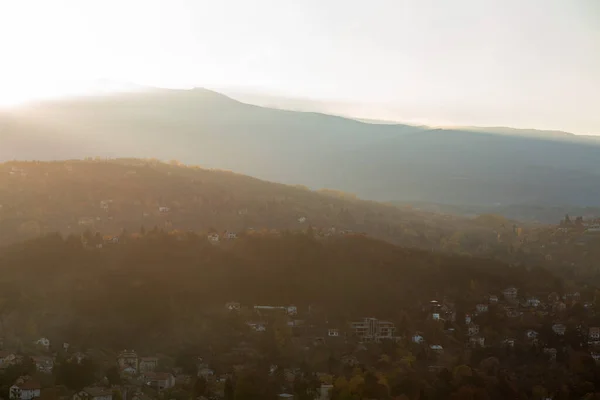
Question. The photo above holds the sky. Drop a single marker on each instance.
(528, 64)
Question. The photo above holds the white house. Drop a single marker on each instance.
(302, 220)
(477, 341)
(25, 388)
(230, 235)
(532, 302)
(418, 338)
(436, 348)
(493, 299)
(468, 319)
(233, 306)
(509, 342)
(292, 310)
(213, 237)
(531, 334)
(594, 334)
(43, 342)
(333, 332)
(481, 308)
(163, 209)
(159, 380)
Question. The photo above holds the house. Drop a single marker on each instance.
(257, 326)
(572, 296)
(481, 308)
(551, 352)
(468, 319)
(349, 360)
(292, 310)
(86, 221)
(373, 330)
(532, 302)
(509, 342)
(435, 316)
(594, 334)
(595, 356)
(206, 372)
(66, 346)
(531, 334)
(8, 358)
(477, 341)
(148, 364)
(559, 307)
(230, 235)
(43, 364)
(43, 342)
(324, 392)
(163, 209)
(559, 329)
(553, 298)
(436, 348)
(333, 332)
(25, 388)
(285, 396)
(159, 380)
(493, 299)
(473, 329)
(93, 393)
(127, 360)
(302, 220)
(418, 338)
(233, 306)
(510, 293)
(213, 237)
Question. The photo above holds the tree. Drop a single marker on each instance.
(200, 387)
(113, 376)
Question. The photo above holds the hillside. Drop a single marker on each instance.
(112, 195)
(385, 162)
(161, 290)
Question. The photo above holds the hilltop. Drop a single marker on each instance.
(110, 196)
(479, 167)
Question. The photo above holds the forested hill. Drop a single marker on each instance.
(116, 195)
(158, 288)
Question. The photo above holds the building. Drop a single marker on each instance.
(148, 364)
(477, 341)
(43, 342)
(481, 308)
(159, 380)
(532, 302)
(163, 209)
(551, 352)
(233, 306)
(559, 329)
(473, 329)
(510, 293)
(213, 237)
(332, 332)
(531, 334)
(373, 330)
(594, 334)
(25, 388)
(43, 364)
(128, 359)
(93, 393)
(230, 235)
(418, 338)
(493, 299)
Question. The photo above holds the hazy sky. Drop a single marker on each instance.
(523, 63)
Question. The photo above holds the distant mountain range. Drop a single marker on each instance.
(378, 161)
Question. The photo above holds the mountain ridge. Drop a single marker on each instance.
(380, 162)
